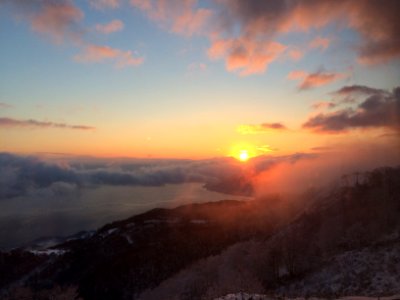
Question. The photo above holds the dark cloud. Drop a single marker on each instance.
(358, 89)
(378, 23)
(21, 174)
(9, 122)
(379, 109)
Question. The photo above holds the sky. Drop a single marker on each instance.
(198, 79)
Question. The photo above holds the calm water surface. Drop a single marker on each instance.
(25, 219)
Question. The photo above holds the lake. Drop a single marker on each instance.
(24, 219)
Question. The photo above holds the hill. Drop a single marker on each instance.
(342, 243)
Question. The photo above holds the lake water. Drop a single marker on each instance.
(25, 219)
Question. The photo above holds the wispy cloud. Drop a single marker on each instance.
(196, 67)
(316, 79)
(10, 123)
(96, 53)
(358, 90)
(113, 26)
(62, 21)
(260, 128)
(103, 4)
(323, 105)
(178, 16)
(5, 105)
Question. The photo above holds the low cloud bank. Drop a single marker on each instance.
(22, 175)
(30, 175)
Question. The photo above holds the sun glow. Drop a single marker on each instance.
(243, 152)
(243, 155)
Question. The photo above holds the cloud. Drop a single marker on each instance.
(23, 175)
(261, 128)
(179, 16)
(5, 105)
(326, 167)
(378, 25)
(323, 105)
(320, 42)
(263, 22)
(358, 90)
(10, 123)
(103, 4)
(245, 56)
(113, 26)
(59, 20)
(377, 110)
(96, 53)
(316, 79)
(62, 22)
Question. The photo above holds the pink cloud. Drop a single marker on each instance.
(113, 26)
(62, 21)
(319, 79)
(320, 42)
(95, 53)
(58, 20)
(179, 16)
(245, 56)
(316, 79)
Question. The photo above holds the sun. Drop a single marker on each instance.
(243, 151)
(243, 155)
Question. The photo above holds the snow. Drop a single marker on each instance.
(108, 232)
(128, 239)
(372, 270)
(57, 252)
